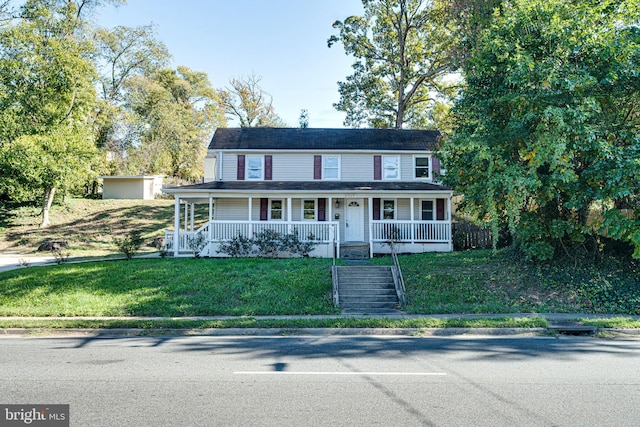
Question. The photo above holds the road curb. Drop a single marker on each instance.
(416, 332)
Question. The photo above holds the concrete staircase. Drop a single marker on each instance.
(366, 289)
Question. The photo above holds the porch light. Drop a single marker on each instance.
(337, 203)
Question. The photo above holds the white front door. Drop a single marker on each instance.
(354, 220)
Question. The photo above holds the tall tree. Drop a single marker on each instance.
(46, 98)
(245, 100)
(470, 18)
(402, 51)
(178, 111)
(122, 53)
(548, 126)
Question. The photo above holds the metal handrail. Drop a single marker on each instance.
(398, 280)
(334, 284)
(334, 269)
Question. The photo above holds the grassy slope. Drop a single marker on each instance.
(483, 282)
(87, 225)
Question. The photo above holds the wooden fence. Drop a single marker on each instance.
(469, 236)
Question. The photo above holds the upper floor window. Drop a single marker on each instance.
(330, 167)
(390, 167)
(421, 167)
(255, 168)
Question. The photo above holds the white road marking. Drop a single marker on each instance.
(416, 374)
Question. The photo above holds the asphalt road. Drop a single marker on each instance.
(325, 380)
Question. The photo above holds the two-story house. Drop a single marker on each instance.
(349, 188)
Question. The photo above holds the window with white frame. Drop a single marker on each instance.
(426, 210)
(255, 168)
(309, 210)
(390, 167)
(421, 167)
(330, 167)
(388, 209)
(276, 209)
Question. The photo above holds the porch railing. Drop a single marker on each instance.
(226, 230)
(184, 238)
(219, 231)
(411, 231)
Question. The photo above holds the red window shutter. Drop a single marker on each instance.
(377, 169)
(264, 209)
(268, 167)
(240, 173)
(317, 167)
(440, 209)
(435, 163)
(376, 208)
(322, 209)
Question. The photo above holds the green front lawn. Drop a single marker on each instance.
(459, 282)
(482, 282)
(169, 287)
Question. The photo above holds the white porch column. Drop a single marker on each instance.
(413, 226)
(289, 214)
(186, 216)
(193, 209)
(370, 202)
(210, 218)
(249, 216)
(176, 226)
(330, 210)
(450, 224)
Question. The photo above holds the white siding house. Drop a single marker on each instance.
(346, 187)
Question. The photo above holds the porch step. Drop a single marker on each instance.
(354, 251)
(367, 288)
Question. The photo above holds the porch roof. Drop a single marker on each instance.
(308, 186)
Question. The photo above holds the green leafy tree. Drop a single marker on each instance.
(46, 99)
(402, 50)
(547, 126)
(246, 101)
(122, 53)
(178, 111)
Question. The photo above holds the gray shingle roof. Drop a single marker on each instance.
(323, 139)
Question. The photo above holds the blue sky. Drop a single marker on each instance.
(284, 41)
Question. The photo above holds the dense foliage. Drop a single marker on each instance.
(547, 127)
(46, 101)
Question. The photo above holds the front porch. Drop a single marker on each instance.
(329, 220)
